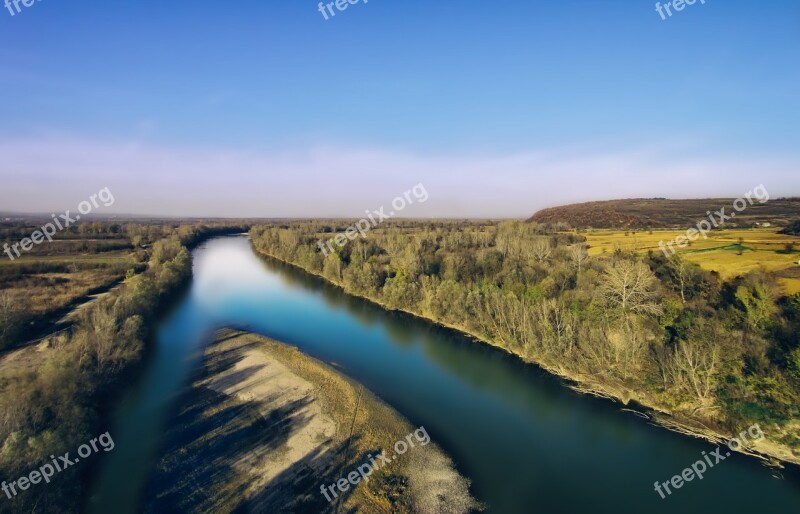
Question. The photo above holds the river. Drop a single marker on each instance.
(527, 442)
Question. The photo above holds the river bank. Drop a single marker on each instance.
(767, 450)
(263, 427)
(526, 442)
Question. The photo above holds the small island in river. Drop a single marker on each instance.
(264, 428)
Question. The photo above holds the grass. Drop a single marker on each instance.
(108, 259)
(728, 252)
(50, 281)
(48, 286)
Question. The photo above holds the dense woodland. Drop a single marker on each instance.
(661, 331)
(65, 402)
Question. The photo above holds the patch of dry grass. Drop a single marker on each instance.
(729, 252)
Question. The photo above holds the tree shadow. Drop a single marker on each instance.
(215, 440)
(298, 490)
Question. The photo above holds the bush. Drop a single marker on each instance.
(793, 229)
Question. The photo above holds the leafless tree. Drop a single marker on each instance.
(578, 256)
(508, 319)
(631, 287)
(697, 362)
(540, 250)
(557, 326)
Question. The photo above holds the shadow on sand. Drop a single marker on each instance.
(214, 440)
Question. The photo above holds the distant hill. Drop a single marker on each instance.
(663, 213)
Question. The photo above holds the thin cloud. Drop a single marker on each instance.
(343, 181)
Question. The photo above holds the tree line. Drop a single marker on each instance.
(658, 330)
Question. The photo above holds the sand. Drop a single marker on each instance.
(263, 427)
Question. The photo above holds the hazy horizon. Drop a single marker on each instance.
(271, 111)
(102, 212)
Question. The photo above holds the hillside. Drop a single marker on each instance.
(664, 213)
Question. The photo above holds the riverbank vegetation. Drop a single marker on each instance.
(62, 397)
(716, 355)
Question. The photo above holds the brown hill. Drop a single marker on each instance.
(664, 213)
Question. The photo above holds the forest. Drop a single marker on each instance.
(660, 331)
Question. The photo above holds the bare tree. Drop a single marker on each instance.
(557, 327)
(505, 237)
(631, 287)
(662, 356)
(681, 274)
(540, 250)
(508, 319)
(578, 256)
(697, 362)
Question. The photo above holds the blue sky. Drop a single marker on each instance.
(263, 108)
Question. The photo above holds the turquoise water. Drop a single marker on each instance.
(528, 444)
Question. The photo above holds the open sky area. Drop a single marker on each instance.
(500, 108)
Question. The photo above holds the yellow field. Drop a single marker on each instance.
(720, 252)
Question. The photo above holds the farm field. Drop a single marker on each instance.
(44, 288)
(49, 283)
(42, 285)
(728, 252)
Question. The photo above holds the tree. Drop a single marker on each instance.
(508, 320)
(578, 256)
(631, 287)
(450, 302)
(681, 275)
(793, 229)
(364, 277)
(540, 250)
(557, 328)
(757, 295)
(332, 269)
(401, 291)
(698, 360)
